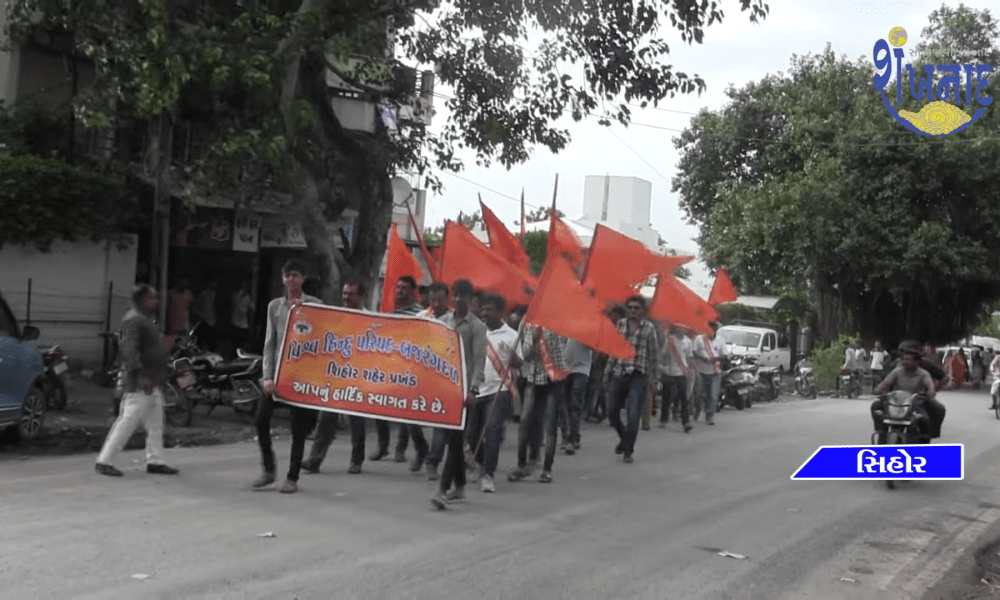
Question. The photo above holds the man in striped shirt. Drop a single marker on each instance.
(632, 377)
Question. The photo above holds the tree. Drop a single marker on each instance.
(804, 187)
(254, 75)
(539, 214)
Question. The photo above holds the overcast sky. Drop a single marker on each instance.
(734, 52)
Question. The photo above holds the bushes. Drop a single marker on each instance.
(827, 360)
(45, 199)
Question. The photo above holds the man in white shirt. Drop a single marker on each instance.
(880, 360)
(674, 371)
(708, 352)
(493, 403)
(692, 373)
(850, 361)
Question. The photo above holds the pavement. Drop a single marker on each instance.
(602, 529)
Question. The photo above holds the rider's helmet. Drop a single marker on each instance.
(910, 347)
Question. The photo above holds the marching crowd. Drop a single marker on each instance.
(515, 371)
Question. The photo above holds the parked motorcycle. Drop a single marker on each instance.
(738, 383)
(178, 409)
(805, 380)
(56, 375)
(768, 386)
(234, 383)
(903, 422)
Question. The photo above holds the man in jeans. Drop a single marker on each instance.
(493, 403)
(144, 362)
(303, 419)
(579, 359)
(548, 372)
(353, 296)
(708, 352)
(631, 377)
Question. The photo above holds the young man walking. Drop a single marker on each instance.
(708, 351)
(303, 419)
(631, 377)
(144, 361)
(473, 333)
(353, 296)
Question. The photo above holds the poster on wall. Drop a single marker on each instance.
(246, 231)
(209, 228)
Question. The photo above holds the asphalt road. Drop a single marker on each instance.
(602, 529)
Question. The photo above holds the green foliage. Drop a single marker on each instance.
(536, 247)
(43, 200)
(826, 360)
(803, 186)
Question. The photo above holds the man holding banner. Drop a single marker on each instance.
(303, 419)
(353, 296)
(474, 341)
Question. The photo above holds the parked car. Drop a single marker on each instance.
(765, 344)
(22, 399)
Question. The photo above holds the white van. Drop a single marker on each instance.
(762, 342)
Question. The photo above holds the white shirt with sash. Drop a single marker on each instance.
(707, 351)
(501, 343)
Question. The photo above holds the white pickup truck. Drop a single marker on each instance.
(762, 342)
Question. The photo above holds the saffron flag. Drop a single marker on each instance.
(564, 307)
(723, 290)
(465, 257)
(399, 261)
(675, 303)
(563, 242)
(503, 241)
(617, 263)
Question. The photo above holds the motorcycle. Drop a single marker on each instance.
(177, 407)
(768, 386)
(234, 383)
(904, 421)
(738, 383)
(850, 386)
(56, 374)
(805, 380)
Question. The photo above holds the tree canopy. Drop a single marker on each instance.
(254, 76)
(804, 186)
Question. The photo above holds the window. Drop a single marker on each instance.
(769, 342)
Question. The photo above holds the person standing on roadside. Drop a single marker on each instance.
(144, 362)
(353, 296)
(303, 419)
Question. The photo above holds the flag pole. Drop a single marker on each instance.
(432, 265)
(522, 217)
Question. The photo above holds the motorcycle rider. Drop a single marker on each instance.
(910, 377)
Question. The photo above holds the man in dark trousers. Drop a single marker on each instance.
(352, 296)
(473, 333)
(303, 419)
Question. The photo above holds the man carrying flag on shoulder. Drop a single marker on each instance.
(675, 372)
(548, 373)
(632, 377)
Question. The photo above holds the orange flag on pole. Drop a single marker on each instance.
(465, 257)
(428, 257)
(616, 263)
(675, 303)
(399, 261)
(502, 241)
(563, 242)
(564, 307)
(723, 290)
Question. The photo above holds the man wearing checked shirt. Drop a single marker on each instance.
(632, 377)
